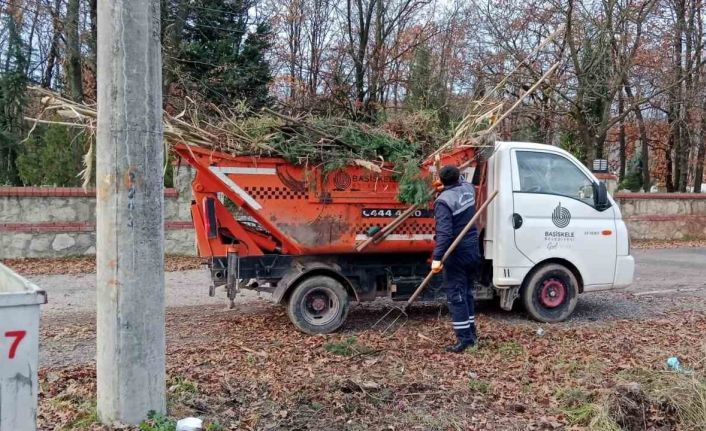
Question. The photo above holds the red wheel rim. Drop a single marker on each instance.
(552, 293)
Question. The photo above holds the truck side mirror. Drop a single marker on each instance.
(600, 196)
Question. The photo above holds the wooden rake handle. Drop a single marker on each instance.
(451, 248)
(384, 232)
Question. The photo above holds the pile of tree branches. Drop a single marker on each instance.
(328, 143)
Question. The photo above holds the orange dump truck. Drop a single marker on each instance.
(295, 230)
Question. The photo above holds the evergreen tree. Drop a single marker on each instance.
(633, 177)
(254, 75)
(52, 156)
(594, 103)
(221, 57)
(424, 91)
(13, 85)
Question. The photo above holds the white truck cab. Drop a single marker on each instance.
(553, 231)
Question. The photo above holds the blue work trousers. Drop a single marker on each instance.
(459, 270)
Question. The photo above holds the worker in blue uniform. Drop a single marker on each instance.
(453, 209)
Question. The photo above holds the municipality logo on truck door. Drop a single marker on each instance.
(561, 217)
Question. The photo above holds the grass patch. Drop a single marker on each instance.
(510, 349)
(482, 348)
(81, 413)
(87, 415)
(179, 386)
(157, 422)
(684, 394)
(577, 405)
(581, 415)
(348, 347)
(644, 398)
(343, 348)
(479, 386)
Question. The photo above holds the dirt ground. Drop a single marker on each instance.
(248, 368)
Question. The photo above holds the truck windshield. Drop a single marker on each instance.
(549, 173)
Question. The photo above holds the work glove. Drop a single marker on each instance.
(438, 185)
(436, 266)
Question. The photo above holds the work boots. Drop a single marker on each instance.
(460, 346)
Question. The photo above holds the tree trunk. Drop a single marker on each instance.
(669, 180)
(700, 155)
(53, 47)
(73, 52)
(374, 97)
(12, 111)
(621, 108)
(93, 43)
(359, 48)
(701, 143)
(685, 145)
(295, 18)
(676, 103)
(30, 41)
(587, 141)
(172, 44)
(645, 149)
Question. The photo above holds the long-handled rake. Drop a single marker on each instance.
(402, 311)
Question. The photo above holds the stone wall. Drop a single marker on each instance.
(664, 216)
(56, 222)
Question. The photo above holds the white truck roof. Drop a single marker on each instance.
(509, 145)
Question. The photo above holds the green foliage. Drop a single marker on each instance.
(52, 155)
(180, 386)
(479, 386)
(222, 57)
(683, 394)
(344, 348)
(13, 83)
(510, 348)
(335, 143)
(157, 422)
(569, 142)
(528, 133)
(633, 176)
(425, 90)
(581, 409)
(413, 189)
(424, 128)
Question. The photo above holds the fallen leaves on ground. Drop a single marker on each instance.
(87, 265)
(254, 371)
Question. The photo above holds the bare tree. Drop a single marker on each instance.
(73, 51)
(48, 77)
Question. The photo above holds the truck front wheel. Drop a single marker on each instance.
(551, 292)
(318, 305)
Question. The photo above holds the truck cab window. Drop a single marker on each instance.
(553, 174)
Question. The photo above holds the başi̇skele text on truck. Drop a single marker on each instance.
(552, 233)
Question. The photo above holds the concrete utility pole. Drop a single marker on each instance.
(130, 216)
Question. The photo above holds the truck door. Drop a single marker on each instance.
(555, 215)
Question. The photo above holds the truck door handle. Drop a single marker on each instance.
(516, 221)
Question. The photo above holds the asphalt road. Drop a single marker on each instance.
(666, 281)
(678, 268)
(666, 273)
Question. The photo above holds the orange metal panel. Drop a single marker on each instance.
(308, 211)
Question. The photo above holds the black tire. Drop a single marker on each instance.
(318, 305)
(550, 293)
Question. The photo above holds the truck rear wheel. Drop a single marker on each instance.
(318, 305)
(551, 292)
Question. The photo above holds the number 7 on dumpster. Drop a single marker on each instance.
(15, 340)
